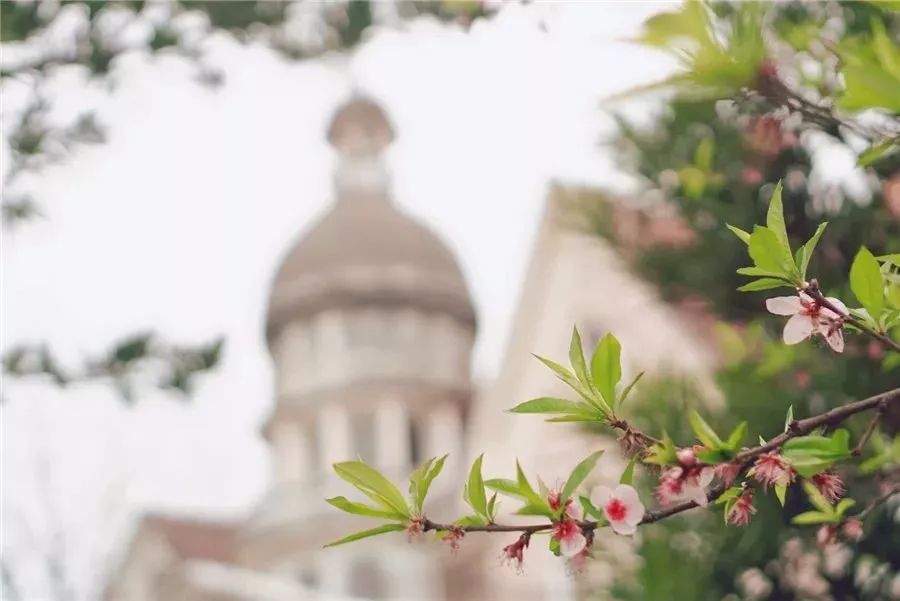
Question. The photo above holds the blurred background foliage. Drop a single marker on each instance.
(768, 93)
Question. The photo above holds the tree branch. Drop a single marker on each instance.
(744, 458)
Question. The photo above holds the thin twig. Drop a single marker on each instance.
(878, 501)
(858, 449)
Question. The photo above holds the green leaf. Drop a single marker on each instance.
(548, 404)
(811, 517)
(764, 284)
(576, 358)
(525, 487)
(789, 417)
(491, 508)
(590, 510)
(421, 480)
(757, 272)
(867, 282)
(628, 474)
(744, 236)
(878, 151)
(663, 453)
(476, 496)
(843, 505)
(606, 368)
(817, 499)
(470, 520)
(775, 221)
(736, 437)
(768, 254)
(506, 487)
(371, 483)
(344, 504)
(367, 533)
(581, 471)
(569, 378)
(780, 493)
(534, 509)
(576, 417)
(704, 432)
(628, 388)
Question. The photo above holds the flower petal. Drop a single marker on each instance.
(635, 514)
(600, 496)
(706, 476)
(797, 329)
(627, 495)
(623, 528)
(835, 340)
(784, 305)
(838, 304)
(572, 545)
(697, 495)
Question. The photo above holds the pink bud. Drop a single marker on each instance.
(853, 529)
(686, 457)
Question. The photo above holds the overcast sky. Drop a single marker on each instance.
(179, 221)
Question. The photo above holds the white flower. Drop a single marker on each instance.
(621, 506)
(808, 318)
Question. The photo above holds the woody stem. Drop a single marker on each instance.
(744, 459)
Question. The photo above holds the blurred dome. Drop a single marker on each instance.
(364, 251)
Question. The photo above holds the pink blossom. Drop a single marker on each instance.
(554, 500)
(453, 538)
(830, 485)
(771, 469)
(621, 506)
(514, 554)
(678, 484)
(727, 472)
(826, 535)
(853, 529)
(686, 457)
(742, 510)
(808, 318)
(570, 537)
(415, 529)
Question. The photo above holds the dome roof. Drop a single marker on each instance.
(365, 251)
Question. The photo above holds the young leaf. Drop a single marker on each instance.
(476, 496)
(525, 487)
(764, 284)
(371, 483)
(817, 499)
(809, 247)
(628, 388)
(470, 520)
(548, 404)
(367, 533)
(843, 505)
(591, 511)
(506, 487)
(569, 378)
(789, 417)
(781, 492)
(492, 508)
(576, 358)
(736, 437)
(744, 236)
(775, 220)
(344, 504)
(663, 453)
(704, 432)
(867, 282)
(581, 471)
(421, 480)
(811, 517)
(628, 474)
(767, 252)
(606, 367)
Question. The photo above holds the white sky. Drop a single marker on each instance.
(178, 223)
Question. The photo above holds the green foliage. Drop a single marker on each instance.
(867, 282)
(368, 533)
(824, 512)
(475, 496)
(374, 485)
(812, 454)
(579, 474)
(421, 480)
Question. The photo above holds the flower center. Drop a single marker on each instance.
(616, 510)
